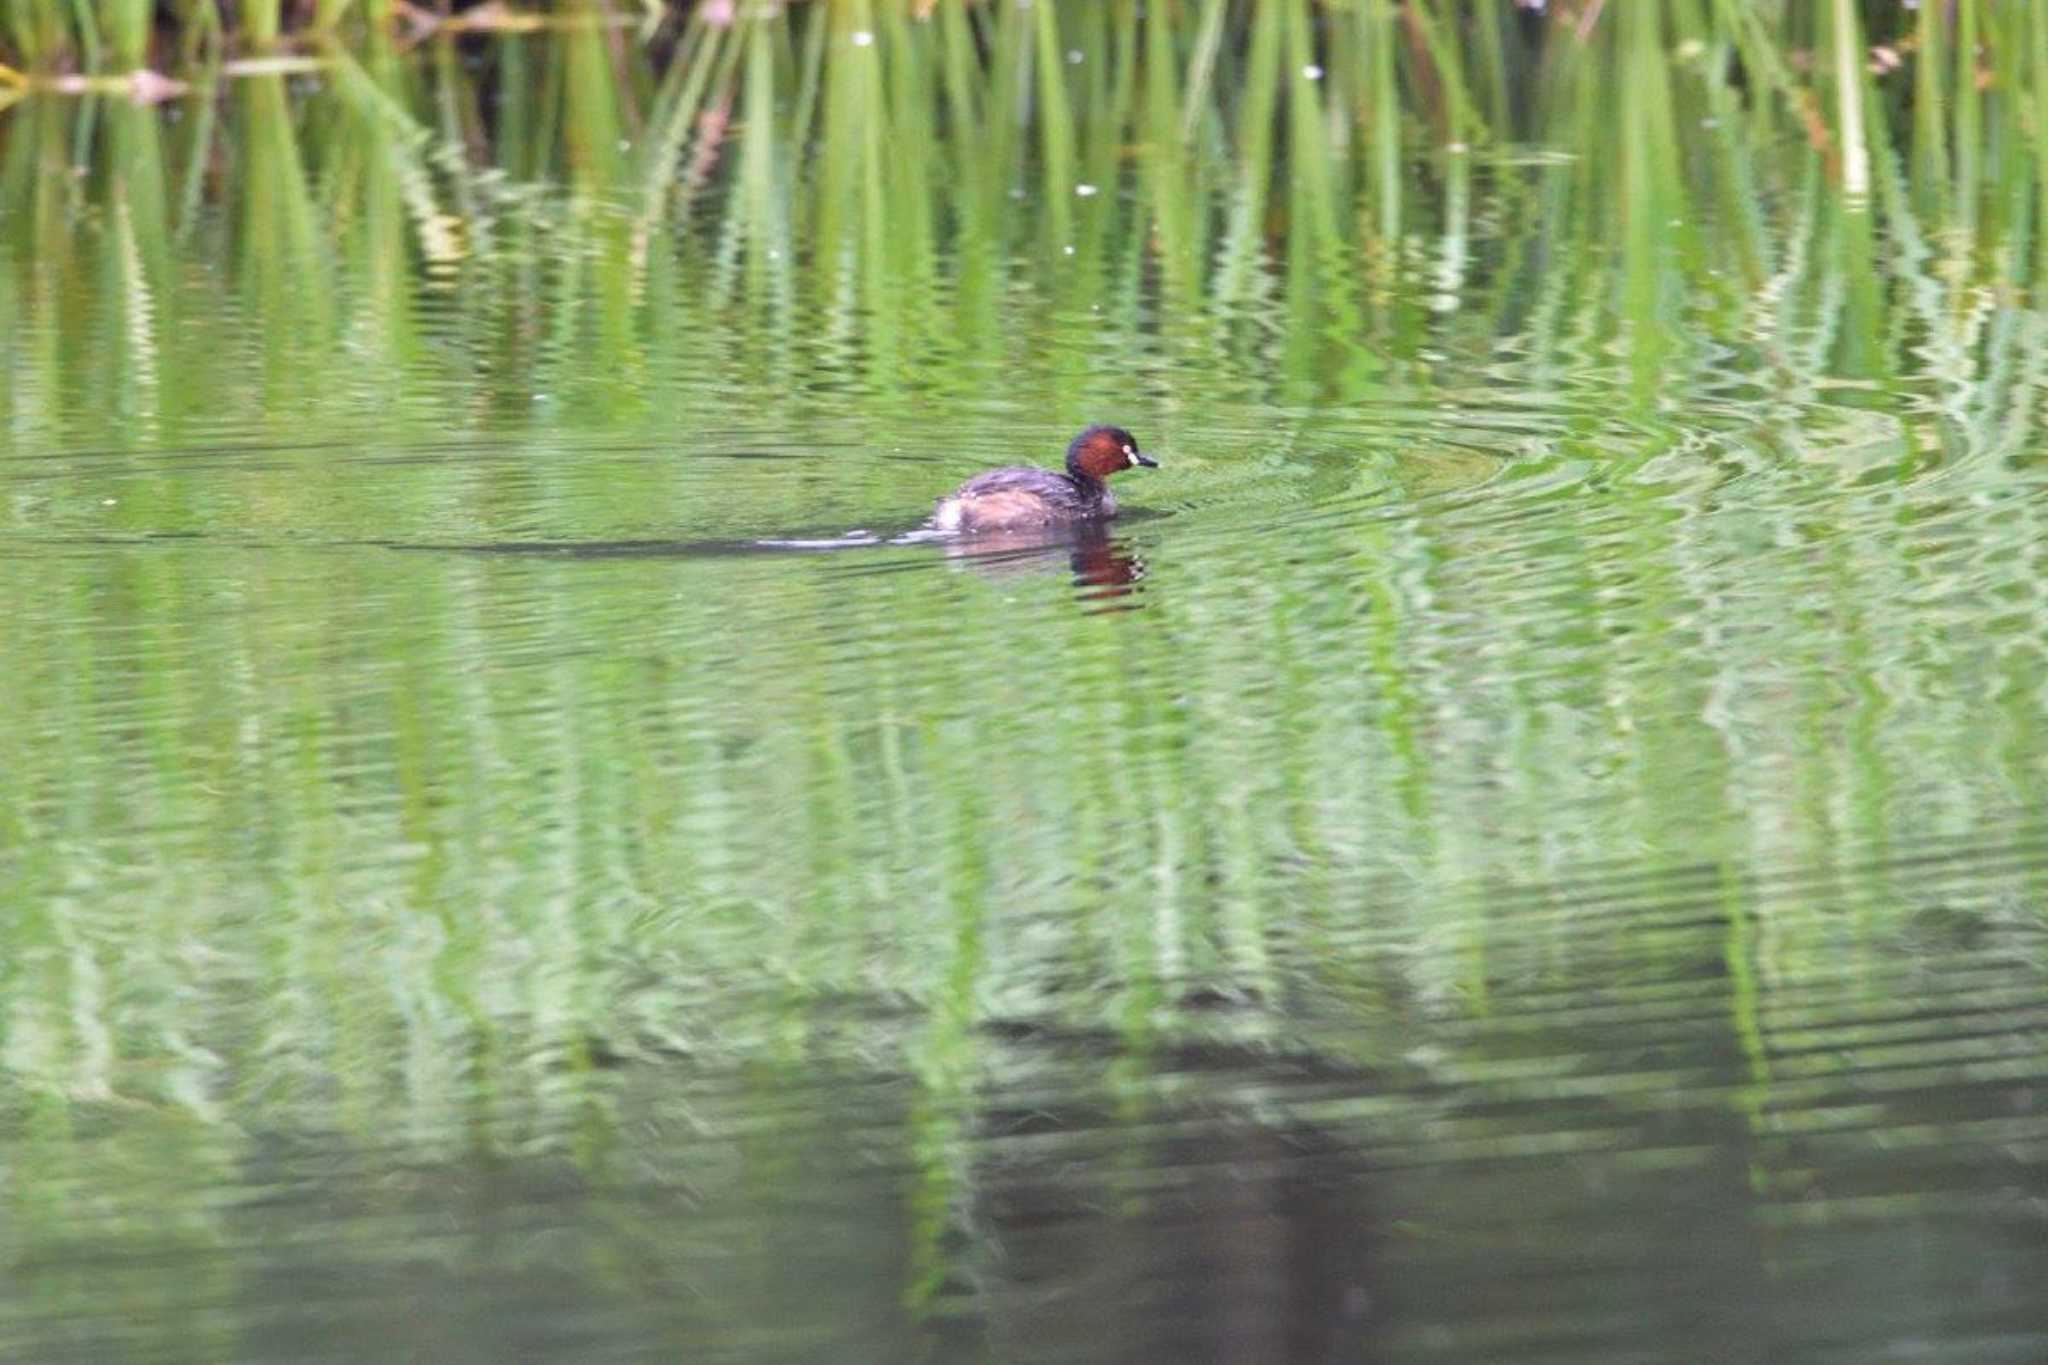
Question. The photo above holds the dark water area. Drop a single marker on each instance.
(1525, 843)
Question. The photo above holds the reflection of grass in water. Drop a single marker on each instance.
(282, 819)
(828, 194)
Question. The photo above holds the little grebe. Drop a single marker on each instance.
(1005, 499)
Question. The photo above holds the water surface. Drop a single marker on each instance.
(1524, 845)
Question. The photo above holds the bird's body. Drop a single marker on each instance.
(1018, 496)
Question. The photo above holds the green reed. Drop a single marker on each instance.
(1456, 69)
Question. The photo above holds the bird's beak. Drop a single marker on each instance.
(1146, 460)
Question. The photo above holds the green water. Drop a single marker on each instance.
(1525, 843)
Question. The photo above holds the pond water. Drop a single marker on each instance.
(1525, 843)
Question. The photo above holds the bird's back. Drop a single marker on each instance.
(1018, 495)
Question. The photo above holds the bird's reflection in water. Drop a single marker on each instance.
(1104, 568)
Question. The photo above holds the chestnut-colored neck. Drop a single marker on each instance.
(1093, 457)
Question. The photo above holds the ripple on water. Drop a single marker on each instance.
(1438, 850)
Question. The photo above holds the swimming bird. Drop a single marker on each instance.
(1023, 495)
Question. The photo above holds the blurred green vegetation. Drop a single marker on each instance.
(835, 160)
(1638, 220)
(1596, 440)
